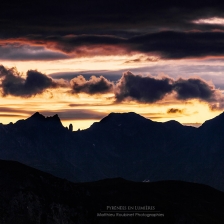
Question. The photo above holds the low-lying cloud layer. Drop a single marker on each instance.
(149, 89)
(130, 87)
(193, 88)
(13, 83)
(143, 89)
(96, 85)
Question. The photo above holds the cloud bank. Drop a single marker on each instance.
(13, 83)
(130, 87)
(90, 17)
(95, 85)
(143, 89)
(157, 45)
(149, 89)
(52, 30)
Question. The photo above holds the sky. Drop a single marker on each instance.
(85, 59)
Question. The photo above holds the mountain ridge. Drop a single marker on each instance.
(120, 145)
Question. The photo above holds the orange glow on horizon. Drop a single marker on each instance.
(71, 106)
(83, 110)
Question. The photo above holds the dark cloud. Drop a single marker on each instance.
(72, 45)
(95, 85)
(166, 45)
(143, 89)
(13, 83)
(79, 28)
(194, 88)
(176, 45)
(89, 16)
(149, 89)
(174, 111)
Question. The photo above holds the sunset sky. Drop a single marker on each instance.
(85, 59)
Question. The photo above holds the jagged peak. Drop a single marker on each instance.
(37, 115)
(54, 118)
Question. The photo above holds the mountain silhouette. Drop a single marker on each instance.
(123, 145)
(32, 196)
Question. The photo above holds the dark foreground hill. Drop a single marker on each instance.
(120, 145)
(29, 196)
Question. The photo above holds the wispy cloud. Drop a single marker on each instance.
(27, 52)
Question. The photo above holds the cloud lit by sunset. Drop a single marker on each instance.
(213, 20)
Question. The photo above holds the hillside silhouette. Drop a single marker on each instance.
(120, 145)
(32, 196)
